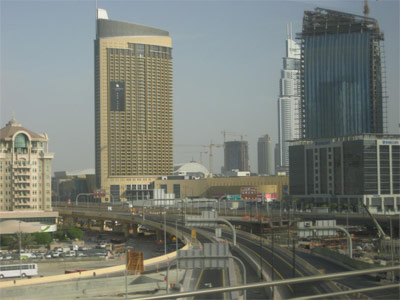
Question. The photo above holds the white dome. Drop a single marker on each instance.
(192, 168)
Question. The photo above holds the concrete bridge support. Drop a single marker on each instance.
(126, 230)
(134, 229)
(89, 224)
(159, 235)
(101, 224)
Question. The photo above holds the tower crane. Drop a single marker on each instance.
(225, 133)
(366, 8)
(210, 147)
(242, 154)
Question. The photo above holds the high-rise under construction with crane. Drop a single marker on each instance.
(236, 156)
(342, 75)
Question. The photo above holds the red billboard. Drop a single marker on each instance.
(270, 197)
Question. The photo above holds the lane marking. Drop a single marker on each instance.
(198, 281)
(315, 288)
(223, 281)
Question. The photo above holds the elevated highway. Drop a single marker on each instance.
(278, 265)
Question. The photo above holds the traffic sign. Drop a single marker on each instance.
(134, 261)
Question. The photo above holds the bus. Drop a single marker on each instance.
(22, 270)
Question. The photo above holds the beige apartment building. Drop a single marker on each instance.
(133, 105)
(25, 169)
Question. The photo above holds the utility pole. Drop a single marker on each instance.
(176, 241)
(261, 247)
(391, 246)
(272, 261)
(165, 231)
(19, 242)
(294, 258)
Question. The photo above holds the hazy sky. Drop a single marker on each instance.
(227, 62)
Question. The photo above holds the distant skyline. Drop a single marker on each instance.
(227, 62)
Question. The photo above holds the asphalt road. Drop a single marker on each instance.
(354, 282)
(216, 275)
(210, 278)
(283, 268)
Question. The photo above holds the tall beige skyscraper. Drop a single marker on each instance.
(133, 106)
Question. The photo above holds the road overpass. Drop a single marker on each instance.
(277, 266)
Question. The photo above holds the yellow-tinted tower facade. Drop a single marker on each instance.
(133, 105)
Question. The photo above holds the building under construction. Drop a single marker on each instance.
(236, 156)
(343, 81)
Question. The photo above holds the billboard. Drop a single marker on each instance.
(99, 193)
(117, 95)
(134, 261)
(248, 193)
(270, 197)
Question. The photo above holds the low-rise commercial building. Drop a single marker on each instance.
(346, 173)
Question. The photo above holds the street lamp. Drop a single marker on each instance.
(19, 242)
(81, 194)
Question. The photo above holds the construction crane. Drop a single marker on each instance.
(242, 154)
(366, 8)
(381, 233)
(210, 151)
(225, 133)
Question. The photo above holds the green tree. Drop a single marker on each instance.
(6, 240)
(60, 235)
(42, 238)
(27, 241)
(74, 233)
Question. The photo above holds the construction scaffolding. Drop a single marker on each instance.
(323, 22)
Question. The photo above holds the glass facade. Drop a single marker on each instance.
(342, 90)
(353, 167)
(384, 168)
(177, 190)
(396, 170)
(349, 166)
(236, 156)
(297, 170)
(337, 85)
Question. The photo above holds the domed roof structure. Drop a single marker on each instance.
(191, 169)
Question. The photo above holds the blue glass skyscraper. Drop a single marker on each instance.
(341, 76)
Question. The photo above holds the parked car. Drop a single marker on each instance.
(55, 254)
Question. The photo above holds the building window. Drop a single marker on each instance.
(177, 190)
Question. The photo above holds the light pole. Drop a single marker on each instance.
(176, 244)
(165, 231)
(82, 194)
(19, 242)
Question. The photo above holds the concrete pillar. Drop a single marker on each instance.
(102, 223)
(126, 230)
(134, 228)
(159, 235)
(89, 224)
